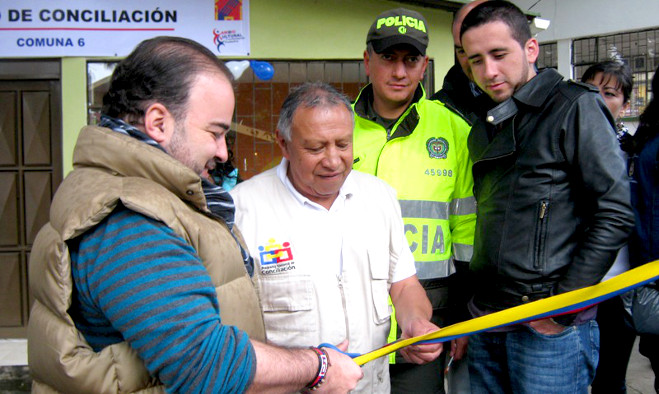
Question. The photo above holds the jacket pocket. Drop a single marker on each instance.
(379, 268)
(542, 219)
(287, 303)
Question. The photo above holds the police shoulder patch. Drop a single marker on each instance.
(437, 148)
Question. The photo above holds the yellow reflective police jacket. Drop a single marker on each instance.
(424, 157)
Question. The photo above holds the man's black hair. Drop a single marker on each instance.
(503, 11)
(161, 69)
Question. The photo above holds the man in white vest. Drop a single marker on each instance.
(328, 243)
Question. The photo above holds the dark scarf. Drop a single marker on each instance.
(218, 200)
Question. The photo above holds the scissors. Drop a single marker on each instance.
(330, 346)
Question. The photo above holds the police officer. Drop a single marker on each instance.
(420, 148)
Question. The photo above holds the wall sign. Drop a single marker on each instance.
(59, 28)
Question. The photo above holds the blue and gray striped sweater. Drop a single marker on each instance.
(136, 280)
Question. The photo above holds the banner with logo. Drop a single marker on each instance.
(60, 28)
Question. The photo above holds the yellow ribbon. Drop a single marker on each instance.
(551, 306)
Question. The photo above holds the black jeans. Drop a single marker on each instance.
(617, 338)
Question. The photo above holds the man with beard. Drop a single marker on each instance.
(141, 280)
(553, 207)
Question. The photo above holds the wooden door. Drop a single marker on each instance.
(30, 171)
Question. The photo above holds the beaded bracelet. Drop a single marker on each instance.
(323, 366)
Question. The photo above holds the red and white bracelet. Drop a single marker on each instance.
(323, 366)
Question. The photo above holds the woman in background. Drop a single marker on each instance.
(614, 80)
(617, 334)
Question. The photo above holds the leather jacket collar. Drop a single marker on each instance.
(533, 94)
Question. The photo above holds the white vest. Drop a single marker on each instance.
(306, 301)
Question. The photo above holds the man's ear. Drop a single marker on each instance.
(281, 141)
(532, 49)
(159, 123)
(426, 59)
(366, 65)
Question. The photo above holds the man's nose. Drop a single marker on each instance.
(221, 152)
(399, 70)
(491, 69)
(332, 158)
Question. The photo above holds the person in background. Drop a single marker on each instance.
(644, 240)
(328, 242)
(225, 174)
(141, 280)
(613, 78)
(419, 147)
(459, 92)
(553, 207)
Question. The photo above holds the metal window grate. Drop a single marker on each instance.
(639, 49)
(548, 56)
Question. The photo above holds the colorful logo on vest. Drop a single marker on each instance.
(437, 148)
(275, 257)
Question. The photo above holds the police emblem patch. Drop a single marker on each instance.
(437, 148)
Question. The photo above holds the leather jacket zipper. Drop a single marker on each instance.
(540, 231)
(543, 210)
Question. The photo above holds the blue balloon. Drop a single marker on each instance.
(262, 70)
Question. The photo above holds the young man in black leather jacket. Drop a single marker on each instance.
(553, 207)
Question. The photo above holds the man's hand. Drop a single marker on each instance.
(459, 348)
(547, 327)
(413, 312)
(420, 354)
(281, 370)
(343, 373)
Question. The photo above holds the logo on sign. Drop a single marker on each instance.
(228, 10)
(223, 37)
